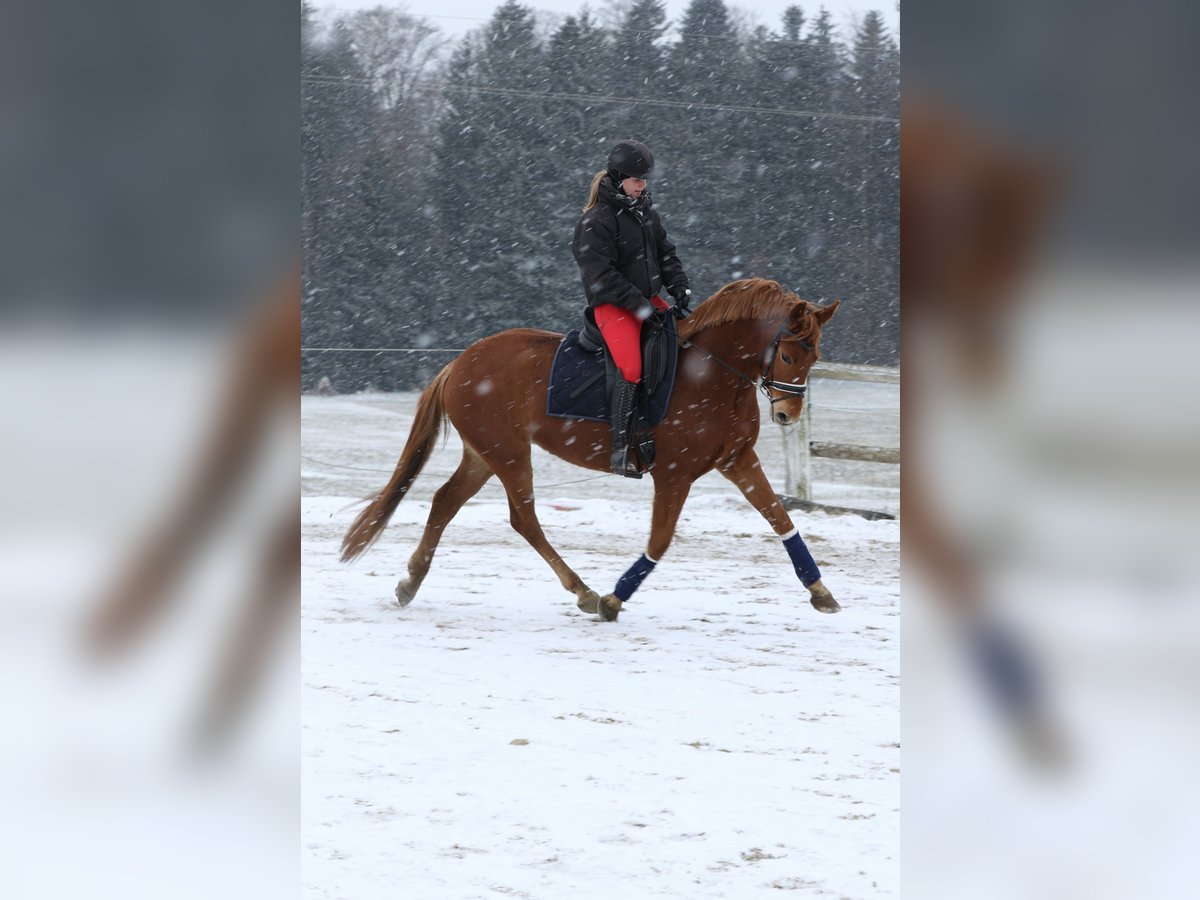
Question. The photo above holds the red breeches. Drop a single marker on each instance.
(622, 332)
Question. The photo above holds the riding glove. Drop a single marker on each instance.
(681, 294)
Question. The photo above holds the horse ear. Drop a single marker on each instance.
(825, 313)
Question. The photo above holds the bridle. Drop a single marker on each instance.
(766, 383)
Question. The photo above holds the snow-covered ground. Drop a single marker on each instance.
(723, 739)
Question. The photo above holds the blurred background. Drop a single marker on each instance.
(149, 240)
(1049, 279)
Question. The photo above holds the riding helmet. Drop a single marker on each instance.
(630, 159)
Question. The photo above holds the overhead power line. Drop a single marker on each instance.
(677, 104)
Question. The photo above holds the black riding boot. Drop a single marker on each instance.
(623, 396)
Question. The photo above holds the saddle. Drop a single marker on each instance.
(583, 373)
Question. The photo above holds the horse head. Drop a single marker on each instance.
(791, 355)
(764, 315)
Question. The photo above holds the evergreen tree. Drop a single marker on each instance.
(577, 62)
(775, 188)
(822, 187)
(638, 58)
(336, 118)
(871, 274)
(706, 53)
(793, 23)
(494, 150)
(706, 154)
(639, 68)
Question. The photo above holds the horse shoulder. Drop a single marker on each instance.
(747, 420)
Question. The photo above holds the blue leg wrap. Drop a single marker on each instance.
(632, 580)
(1006, 668)
(802, 561)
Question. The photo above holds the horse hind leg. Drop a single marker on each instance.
(517, 478)
(471, 475)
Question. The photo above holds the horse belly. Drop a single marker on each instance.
(578, 441)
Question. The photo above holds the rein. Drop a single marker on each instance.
(765, 383)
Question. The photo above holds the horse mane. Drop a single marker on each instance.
(749, 298)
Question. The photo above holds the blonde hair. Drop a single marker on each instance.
(594, 193)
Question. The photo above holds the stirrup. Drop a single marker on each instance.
(622, 464)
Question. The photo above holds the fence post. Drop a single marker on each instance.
(797, 467)
(804, 436)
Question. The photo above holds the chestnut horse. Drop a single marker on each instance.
(751, 334)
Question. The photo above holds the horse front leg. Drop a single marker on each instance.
(746, 472)
(669, 497)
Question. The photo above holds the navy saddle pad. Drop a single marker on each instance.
(579, 378)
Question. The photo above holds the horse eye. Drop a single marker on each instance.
(787, 360)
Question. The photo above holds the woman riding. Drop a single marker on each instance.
(625, 259)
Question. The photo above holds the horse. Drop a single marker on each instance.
(750, 335)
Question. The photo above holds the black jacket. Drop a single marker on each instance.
(623, 252)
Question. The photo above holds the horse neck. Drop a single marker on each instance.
(741, 345)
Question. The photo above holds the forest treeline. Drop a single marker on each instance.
(441, 181)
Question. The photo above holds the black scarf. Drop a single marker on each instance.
(611, 194)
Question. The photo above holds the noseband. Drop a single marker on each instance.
(784, 387)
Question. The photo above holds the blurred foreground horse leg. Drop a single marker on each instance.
(253, 637)
(974, 208)
(261, 382)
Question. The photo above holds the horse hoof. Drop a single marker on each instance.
(609, 608)
(822, 601)
(405, 591)
(589, 602)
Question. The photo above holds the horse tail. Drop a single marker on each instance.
(428, 424)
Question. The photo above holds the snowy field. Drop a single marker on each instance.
(723, 739)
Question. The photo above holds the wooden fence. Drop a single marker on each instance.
(799, 448)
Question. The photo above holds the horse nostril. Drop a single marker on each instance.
(781, 418)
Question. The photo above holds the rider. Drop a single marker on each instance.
(625, 258)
